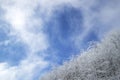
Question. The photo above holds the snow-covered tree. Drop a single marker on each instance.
(99, 62)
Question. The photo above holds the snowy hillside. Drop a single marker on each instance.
(100, 62)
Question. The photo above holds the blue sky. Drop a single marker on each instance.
(40, 34)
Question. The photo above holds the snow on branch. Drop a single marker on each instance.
(101, 62)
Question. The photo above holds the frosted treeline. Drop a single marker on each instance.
(100, 62)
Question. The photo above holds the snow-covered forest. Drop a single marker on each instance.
(101, 61)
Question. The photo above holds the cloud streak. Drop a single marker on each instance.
(27, 19)
(20, 17)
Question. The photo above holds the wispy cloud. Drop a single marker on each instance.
(24, 71)
(20, 17)
(27, 19)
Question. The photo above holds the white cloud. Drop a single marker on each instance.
(20, 15)
(25, 71)
(6, 73)
(100, 16)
